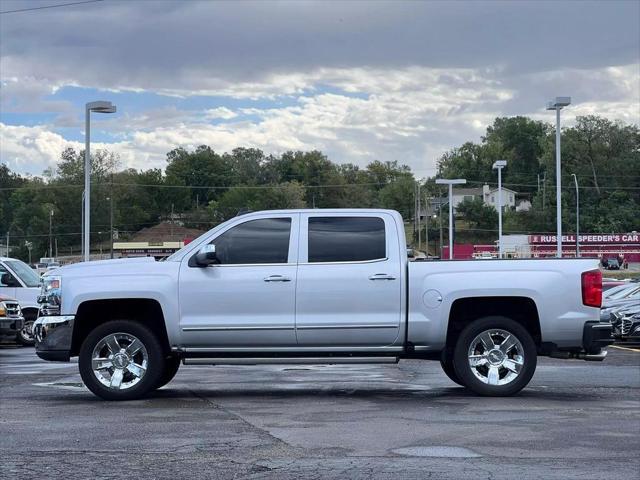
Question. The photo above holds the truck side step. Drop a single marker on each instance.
(287, 360)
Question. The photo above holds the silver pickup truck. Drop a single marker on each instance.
(316, 286)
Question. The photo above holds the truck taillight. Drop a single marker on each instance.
(592, 288)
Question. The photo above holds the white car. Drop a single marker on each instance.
(317, 286)
(19, 281)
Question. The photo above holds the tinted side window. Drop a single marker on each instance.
(256, 241)
(346, 239)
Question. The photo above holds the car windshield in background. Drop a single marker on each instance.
(628, 291)
(28, 276)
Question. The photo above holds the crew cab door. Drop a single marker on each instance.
(248, 298)
(349, 280)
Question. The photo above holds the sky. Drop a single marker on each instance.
(358, 80)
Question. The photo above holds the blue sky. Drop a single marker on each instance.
(358, 80)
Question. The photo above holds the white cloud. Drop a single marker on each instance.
(354, 115)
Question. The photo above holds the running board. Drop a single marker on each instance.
(287, 360)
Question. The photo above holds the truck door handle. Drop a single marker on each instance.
(382, 276)
(277, 278)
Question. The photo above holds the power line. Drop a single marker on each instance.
(43, 7)
(205, 187)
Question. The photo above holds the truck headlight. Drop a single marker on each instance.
(50, 297)
(3, 310)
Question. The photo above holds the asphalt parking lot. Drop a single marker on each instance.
(575, 420)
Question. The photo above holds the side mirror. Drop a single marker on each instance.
(7, 280)
(206, 256)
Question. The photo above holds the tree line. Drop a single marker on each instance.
(202, 187)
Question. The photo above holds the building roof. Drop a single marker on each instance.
(165, 232)
(504, 189)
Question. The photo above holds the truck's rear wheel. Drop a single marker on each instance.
(495, 356)
(121, 360)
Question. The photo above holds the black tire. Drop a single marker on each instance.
(466, 373)
(148, 380)
(446, 362)
(172, 364)
(25, 336)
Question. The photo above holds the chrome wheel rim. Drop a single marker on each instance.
(496, 357)
(119, 361)
(26, 333)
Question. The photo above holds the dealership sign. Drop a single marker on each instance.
(612, 239)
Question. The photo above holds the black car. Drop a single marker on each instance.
(612, 264)
(626, 323)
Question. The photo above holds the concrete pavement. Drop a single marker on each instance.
(575, 420)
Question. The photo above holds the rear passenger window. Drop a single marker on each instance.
(346, 239)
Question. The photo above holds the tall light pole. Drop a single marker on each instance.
(575, 180)
(557, 105)
(50, 233)
(499, 165)
(451, 183)
(98, 107)
(110, 198)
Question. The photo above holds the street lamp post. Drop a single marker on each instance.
(557, 105)
(575, 180)
(499, 165)
(98, 107)
(451, 183)
(29, 246)
(110, 198)
(50, 233)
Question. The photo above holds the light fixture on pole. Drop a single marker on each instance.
(557, 105)
(451, 183)
(98, 107)
(499, 165)
(575, 180)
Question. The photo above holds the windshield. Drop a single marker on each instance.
(628, 291)
(28, 276)
(614, 291)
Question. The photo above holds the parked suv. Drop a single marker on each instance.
(18, 280)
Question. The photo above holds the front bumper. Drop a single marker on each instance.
(10, 326)
(53, 337)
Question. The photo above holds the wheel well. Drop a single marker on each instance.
(30, 313)
(96, 312)
(465, 310)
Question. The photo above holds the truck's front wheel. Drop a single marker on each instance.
(446, 362)
(121, 360)
(495, 356)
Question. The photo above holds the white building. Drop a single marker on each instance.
(488, 195)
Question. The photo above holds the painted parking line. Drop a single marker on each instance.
(626, 348)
